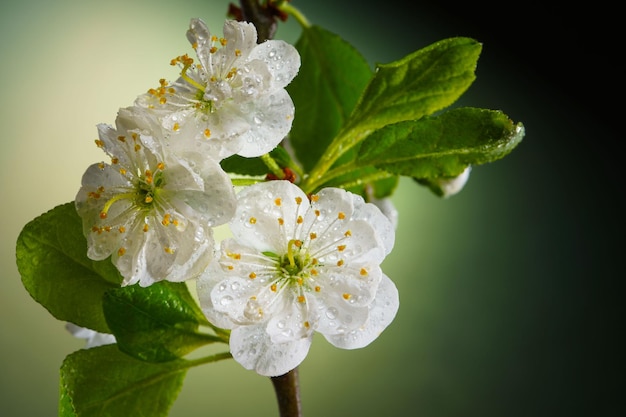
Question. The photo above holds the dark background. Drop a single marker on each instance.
(510, 303)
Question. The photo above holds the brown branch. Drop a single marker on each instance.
(287, 388)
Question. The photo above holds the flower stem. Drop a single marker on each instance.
(287, 388)
(297, 14)
(272, 165)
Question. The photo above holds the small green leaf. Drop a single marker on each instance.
(442, 146)
(52, 260)
(103, 381)
(157, 323)
(236, 164)
(332, 76)
(418, 85)
(244, 166)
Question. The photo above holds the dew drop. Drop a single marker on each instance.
(226, 300)
(331, 313)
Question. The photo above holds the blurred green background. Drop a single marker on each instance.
(509, 296)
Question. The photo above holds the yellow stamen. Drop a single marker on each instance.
(108, 204)
(290, 245)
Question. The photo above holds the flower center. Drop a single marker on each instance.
(147, 188)
(296, 266)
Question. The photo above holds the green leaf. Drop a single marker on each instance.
(332, 76)
(369, 182)
(442, 146)
(52, 260)
(236, 164)
(103, 381)
(418, 85)
(157, 323)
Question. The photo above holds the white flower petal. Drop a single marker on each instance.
(281, 58)
(252, 348)
(93, 338)
(256, 222)
(383, 226)
(269, 117)
(382, 312)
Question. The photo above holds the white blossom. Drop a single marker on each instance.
(296, 266)
(452, 186)
(92, 337)
(151, 212)
(233, 100)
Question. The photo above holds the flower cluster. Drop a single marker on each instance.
(152, 208)
(297, 263)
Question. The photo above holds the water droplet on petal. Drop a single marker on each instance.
(331, 313)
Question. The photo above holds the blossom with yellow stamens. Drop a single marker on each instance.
(301, 266)
(151, 211)
(233, 99)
